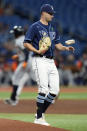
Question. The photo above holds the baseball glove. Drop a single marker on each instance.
(44, 43)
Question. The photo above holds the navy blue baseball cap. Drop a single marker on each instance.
(47, 8)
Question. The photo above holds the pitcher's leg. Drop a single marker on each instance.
(41, 75)
(54, 89)
(54, 82)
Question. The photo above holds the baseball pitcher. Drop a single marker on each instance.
(42, 38)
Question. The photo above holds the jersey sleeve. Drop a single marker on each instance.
(30, 35)
(57, 37)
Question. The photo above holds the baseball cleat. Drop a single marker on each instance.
(41, 121)
(11, 102)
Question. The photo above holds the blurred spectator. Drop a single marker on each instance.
(6, 51)
(8, 10)
(3, 29)
(66, 72)
(66, 66)
(82, 65)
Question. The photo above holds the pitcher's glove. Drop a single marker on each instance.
(45, 43)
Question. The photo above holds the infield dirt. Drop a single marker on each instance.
(59, 107)
(14, 125)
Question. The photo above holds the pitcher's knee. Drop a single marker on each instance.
(55, 92)
(43, 90)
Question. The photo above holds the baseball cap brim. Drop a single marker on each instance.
(52, 13)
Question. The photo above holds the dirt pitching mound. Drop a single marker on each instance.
(14, 125)
(59, 107)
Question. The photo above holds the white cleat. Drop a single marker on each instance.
(41, 121)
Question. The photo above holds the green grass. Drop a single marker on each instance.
(71, 122)
(81, 96)
(29, 95)
(24, 95)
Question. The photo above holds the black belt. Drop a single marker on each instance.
(37, 55)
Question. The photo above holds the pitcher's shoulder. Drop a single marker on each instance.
(35, 24)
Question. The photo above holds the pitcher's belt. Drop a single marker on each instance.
(37, 55)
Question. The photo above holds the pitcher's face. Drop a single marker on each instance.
(48, 17)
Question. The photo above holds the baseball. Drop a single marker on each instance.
(69, 42)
